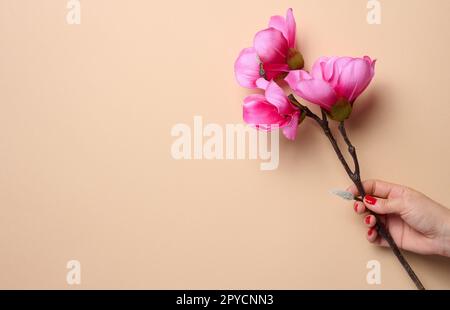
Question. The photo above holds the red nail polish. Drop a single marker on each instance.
(370, 233)
(355, 206)
(370, 200)
(367, 219)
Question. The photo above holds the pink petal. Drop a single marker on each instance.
(290, 130)
(373, 68)
(257, 111)
(286, 26)
(318, 92)
(371, 63)
(279, 23)
(354, 78)
(335, 67)
(316, 71)
(291, 28)
(328, 69)
(276, 96)
(274, 70)
(247, 67)
(271, 46)
(295, 76)
(262, 83)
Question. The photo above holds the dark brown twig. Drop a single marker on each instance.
(351, 148)
(380, 227)
(355, 176)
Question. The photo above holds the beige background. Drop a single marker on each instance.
(86, 171)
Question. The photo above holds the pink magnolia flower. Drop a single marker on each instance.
(333, 80)
(273, 108)
(273, 53)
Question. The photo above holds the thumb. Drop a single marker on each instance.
(383, 206)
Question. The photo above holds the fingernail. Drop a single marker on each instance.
(355, 206)
(370, 233)
(370, 200)
(367, 219)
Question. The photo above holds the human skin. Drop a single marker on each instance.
(416, 222)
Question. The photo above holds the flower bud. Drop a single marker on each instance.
(341, 110)
(295, 59)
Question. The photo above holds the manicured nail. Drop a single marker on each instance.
(370, 200)
(367, 220)
(370, 233)
(355, 206)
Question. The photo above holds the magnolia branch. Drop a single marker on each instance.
(355, 176)
(351, 148)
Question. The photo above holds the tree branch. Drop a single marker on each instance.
(351, 148)
(381, 229)
(355, 176)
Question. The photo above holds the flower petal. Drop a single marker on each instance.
(290, 130)
(295, 76)
(334, 68)
(247, 67)
(372, 64)
(316, 71)
(291, 28)
(257, 111)
(328, 69)
(262, 83)
(271, 46)
(354, 78)
(286, 26)
(279, 23)
(318, 92)
(273, 70)
(276, 96)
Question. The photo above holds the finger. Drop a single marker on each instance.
(374, 187)
(381, 242)
(383, 206)
(359, 207)
(370, 221)
(372, 235)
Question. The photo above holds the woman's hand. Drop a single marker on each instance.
(416, 222)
